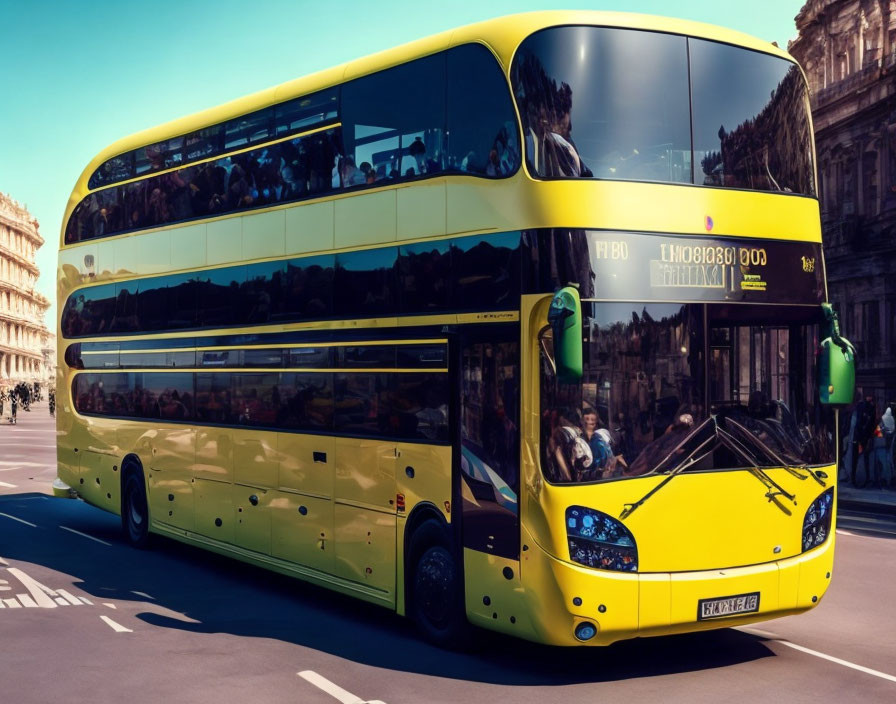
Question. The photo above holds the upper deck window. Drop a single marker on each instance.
(446, 113)
(750, 120)
(622, 104)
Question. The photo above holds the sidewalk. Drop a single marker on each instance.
(879, 500)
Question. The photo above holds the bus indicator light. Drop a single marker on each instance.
(709, 223)
(399, 502)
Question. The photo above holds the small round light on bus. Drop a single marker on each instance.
(586, 631)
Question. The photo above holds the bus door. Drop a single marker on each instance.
(490, 441)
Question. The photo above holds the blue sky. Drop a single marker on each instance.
(76, 76)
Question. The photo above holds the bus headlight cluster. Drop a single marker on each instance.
(600, 541)
(817, 523)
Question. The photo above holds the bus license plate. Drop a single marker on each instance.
(727, 606)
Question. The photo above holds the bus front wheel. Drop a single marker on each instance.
(437, 605)
(134, 509)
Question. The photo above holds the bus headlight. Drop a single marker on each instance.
(598, 540)
(817, 523)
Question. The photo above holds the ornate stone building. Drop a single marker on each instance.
(23, 334)
(846, 48)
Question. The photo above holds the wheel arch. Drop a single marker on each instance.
(425, 526)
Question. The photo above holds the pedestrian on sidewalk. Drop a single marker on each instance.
(879, 464)
(850, 448)
(888, 429)
(866, 422)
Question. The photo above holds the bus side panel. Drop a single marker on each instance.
(364, 512)
(365, 547)
(365, 473)
(214, 454)
(302, 530)
(423, 473)
(214, 509)
(102, 482)
(302, 512)
(172, 455)
(252, 517)
(255, 458)
(307, 463)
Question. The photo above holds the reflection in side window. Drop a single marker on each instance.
(490, 447)
(394, 123)
(483, 138)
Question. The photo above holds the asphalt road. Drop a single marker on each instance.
(85, 618)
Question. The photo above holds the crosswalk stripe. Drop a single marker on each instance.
(27, 601)
(37, 590)
(73, 600)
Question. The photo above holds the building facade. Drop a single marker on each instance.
(846, 48)
(23, 334)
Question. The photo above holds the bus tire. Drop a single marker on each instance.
(134, 508)
(437, 594)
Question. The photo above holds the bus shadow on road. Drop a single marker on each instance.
(194, 591)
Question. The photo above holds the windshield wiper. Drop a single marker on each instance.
(688, 461)
(628, 509)
(774, 490)
(792, 468)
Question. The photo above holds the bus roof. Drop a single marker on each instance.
(502, 34)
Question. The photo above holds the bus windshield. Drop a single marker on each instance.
(612, 103)
(655, 373)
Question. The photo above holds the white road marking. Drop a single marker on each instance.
(117, 627)
(846, 532)
(84, 535)
(85, 600)
(38, 591)
(12, 604)
(27, 601)
(61, 601)
(4, 562)
(777, 639)
(143, 594)
(73, 600)
(845, 663)
(6, 515)
(334, 690)
(8, 486)
(10, 465)
(111, 606)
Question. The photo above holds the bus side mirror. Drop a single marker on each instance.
(836, 364)
(565, 319)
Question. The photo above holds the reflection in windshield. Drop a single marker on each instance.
(649, 369)
(626, 104)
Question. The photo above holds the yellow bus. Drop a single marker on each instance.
(522, 325)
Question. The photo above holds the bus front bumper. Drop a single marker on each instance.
(562, 596)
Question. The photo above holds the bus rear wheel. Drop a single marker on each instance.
(134, 509)
(437, 598)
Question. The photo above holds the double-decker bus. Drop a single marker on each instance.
(522, 325)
